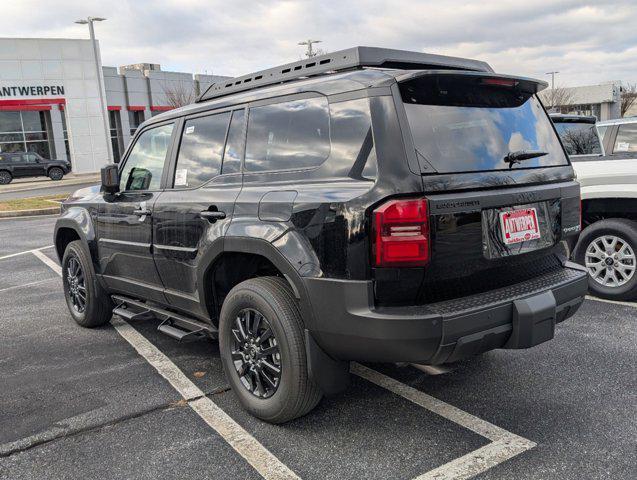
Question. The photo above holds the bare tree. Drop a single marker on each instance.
(179, 94)
(628, 97)
(555, 98)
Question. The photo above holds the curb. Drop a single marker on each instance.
(44, 185)
(30, 213)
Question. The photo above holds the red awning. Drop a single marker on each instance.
(19, 104)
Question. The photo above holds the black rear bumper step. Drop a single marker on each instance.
(174, 324)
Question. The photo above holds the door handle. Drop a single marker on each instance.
(212, 215)
(140, 212)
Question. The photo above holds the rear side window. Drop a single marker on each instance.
(626, 140)
(234, 145)
(461, 125)
(579, 138)
(201, 150)
(288, 135)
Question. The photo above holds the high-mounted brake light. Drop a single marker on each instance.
(401, 234)
(499, 82)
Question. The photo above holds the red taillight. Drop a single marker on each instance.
(401, 234)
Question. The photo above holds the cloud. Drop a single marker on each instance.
(587, 41)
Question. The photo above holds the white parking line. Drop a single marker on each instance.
(261, 459)
(504, 444)
(30, 284)
(616, 302)
(25, 252)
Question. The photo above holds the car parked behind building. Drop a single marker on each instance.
(365, 205)
(30, 164)
(608, 242)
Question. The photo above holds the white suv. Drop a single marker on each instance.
(605, 160)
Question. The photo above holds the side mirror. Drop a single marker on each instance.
(110, 179)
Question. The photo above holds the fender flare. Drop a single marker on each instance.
(79, 220)
(254, 246)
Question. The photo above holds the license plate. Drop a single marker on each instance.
(519, 225)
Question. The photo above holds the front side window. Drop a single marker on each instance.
(201, 150)
(145, 164)
(288, 135)
(30, 158)
(579, 138)
(626, 140)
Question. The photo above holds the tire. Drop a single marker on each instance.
(5, 177)
(98, 308)
(626, 233)
(295, 394)
(56, 173)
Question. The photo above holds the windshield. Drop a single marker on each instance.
(579, 138)
(462, 126)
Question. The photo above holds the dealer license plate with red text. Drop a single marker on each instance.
(519, 225)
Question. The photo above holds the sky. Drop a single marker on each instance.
(586, 41)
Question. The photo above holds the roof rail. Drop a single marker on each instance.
(349, 59)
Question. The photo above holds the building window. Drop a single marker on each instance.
(66, 136)
(115, 126)
(25, 132)
(135, 118)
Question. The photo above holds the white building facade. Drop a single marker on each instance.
(50, 100)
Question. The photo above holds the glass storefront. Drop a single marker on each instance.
(66, 136)
(25, 132)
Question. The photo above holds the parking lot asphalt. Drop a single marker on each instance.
(78, 403)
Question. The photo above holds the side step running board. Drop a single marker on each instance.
(174, 324)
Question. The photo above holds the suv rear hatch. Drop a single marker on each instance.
(499, 189)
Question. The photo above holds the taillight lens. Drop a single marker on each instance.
(401, 234)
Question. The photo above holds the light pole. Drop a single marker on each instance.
(309, 44)
(552, 74)
(98, 70)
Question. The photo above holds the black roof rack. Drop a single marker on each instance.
(352, 58)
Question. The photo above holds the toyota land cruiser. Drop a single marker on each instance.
(367, 205)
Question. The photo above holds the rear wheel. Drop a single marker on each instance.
(608, 251)
(56, 173)
(89, 304)
(263, 352)
(5, 177)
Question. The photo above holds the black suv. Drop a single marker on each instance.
(366, 205)
(30, 164)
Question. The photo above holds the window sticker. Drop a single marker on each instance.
(622, 147)
(190, 129)
(181, 177)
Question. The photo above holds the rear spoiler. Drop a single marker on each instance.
(529, 86)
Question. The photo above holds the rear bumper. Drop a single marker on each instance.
(348, 327)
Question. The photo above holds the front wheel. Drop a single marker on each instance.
(56, 173)
(5, 177)
(263, 351)
(607, 250)
(89, 305)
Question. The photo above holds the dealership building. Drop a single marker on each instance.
(50, 100)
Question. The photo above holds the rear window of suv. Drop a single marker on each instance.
(579, 138)
(459, 124)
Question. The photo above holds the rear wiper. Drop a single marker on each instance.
(516, 157)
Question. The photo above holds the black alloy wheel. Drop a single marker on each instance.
(56, 173)
(5, 178)
(74, 278)
(255, 353)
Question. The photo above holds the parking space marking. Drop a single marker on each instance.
(504, 444)
(261, 459)
(25, 252)
(615, 302)
(49, 263)
(30, 284)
